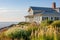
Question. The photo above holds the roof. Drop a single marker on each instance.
(45, 9)
(29, 16)
(41, 8)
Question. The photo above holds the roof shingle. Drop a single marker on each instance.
(49, 10)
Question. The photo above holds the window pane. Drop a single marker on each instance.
(51, 18)
(44, 18)
(56, 18)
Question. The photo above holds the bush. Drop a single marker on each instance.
(56, 23)
(18, 32)
(23, 23)
(46, 23)
(13, 32)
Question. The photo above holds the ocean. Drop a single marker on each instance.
(4, 24)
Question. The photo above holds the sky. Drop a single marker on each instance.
(15, 10)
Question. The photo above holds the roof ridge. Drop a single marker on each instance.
(40, 7)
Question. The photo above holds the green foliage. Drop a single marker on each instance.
(23, 23)
(58, 36)
(34, 32)
(56, 23)
(13, 32)
(18, 32)
(49, 34)
(46, 23)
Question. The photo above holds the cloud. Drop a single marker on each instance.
(10, 15)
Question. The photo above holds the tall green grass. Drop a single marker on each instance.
(32, 32)
(48, 33)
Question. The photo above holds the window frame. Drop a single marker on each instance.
(56, 18)
(44, 18)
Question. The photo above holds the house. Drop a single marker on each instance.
(38, 14)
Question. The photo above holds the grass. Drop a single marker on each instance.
(37, 32)
(48, 34)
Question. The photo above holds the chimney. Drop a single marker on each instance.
(54, 5)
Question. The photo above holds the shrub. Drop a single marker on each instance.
(13, 32)
(18, 32)
(56, 23)
(23, 23)
(46, 23)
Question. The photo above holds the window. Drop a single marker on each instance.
(56, 18)
(51, 18)
(44, 18)
(46, 11)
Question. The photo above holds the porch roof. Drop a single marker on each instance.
(29, 16)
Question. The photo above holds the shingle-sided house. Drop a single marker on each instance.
(38, 14)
